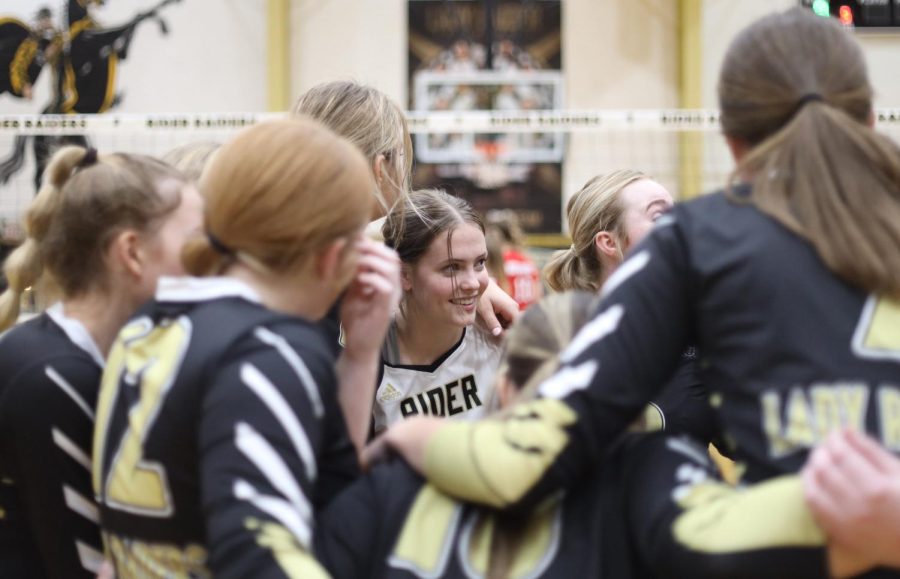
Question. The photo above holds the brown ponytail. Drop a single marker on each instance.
(794, 87)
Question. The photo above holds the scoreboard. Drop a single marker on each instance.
(863, 14)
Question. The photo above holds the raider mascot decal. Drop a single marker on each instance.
(84, 58)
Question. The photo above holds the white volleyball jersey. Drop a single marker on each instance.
(459, 383)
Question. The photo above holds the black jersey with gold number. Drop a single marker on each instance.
(49, 377)
(788, 351)
(218, 437)
(611, 525)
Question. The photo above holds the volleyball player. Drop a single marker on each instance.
(436, 360)
(607, 217)
(219, 434)
(104, 228)
(377, 126)
(392, 523)
(787, 282)
(515, 273)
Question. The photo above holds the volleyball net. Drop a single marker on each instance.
(528, 162)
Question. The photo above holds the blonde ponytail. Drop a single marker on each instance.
(25, 265)
(594, 208)
(566, 270)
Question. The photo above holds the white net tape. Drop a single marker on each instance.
(682, 149)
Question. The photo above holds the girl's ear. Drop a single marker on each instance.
(328, 263)
(606, 244)
(379, 168)
(126, 253)
(406, 277)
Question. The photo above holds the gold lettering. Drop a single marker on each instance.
(826, 410)
(838, 406)
(799, 430)
(771, 411)
(889, 410)
(853, 399)
(810, 417)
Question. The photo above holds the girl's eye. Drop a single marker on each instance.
(479, 265)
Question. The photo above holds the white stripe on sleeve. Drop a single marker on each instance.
(260, 385)
(296, 363)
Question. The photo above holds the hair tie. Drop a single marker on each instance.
(572, 248)
(216, 244)
(810, 97)
(90, 158)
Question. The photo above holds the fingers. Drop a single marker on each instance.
(378, 271)
(839, 472)
(386, 265)
(859, 471)
(879, 458)
(106, 571)
(496, 309)
(377, 281)
(819, 502)
(846, 482)
(373, 283)
(489, 319)
(375, 452)
(375, 257)
(848, 461)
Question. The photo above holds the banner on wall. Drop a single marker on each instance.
(503, 55)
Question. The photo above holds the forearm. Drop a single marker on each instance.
(753, 533)
(686, 522)
(357, 374)
(508, 462)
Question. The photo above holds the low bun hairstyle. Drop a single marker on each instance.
(278, 193)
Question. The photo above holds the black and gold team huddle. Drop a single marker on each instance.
(271, 359)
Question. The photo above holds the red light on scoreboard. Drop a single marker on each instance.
(845, 14)
(859, 15)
